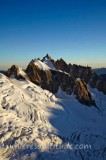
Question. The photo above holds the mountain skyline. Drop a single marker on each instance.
(72, 30)
(6, 64)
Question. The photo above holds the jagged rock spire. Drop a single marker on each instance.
(47, 57)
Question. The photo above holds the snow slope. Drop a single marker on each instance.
(49, 63)
(21, 72)
(31, 116)
(41, 65)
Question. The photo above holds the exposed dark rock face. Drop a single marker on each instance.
(83, 95)
(98, 82)
(62, 65)
(74, 70)
(65, 81)
(85, 73)
(34, 73)
(18, 73)
(81, 72)
(44, 78)
(48, 82)
(101, 86)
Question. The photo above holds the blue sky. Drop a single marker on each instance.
(72, 29)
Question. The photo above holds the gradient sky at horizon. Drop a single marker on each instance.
(72, 29)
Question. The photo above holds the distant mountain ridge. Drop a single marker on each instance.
(100, 71)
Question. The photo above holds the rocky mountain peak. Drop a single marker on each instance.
(47, 57)
(12, 71)
(16, 72)
(83, 94)
(60, 64)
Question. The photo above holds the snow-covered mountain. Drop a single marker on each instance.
(34, 121)
(50, 112)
